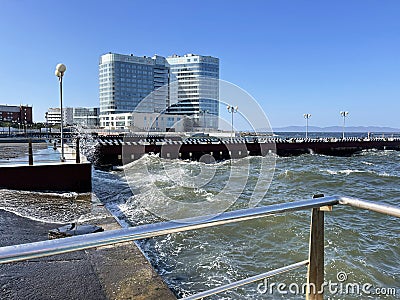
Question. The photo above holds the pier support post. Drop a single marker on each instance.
(315, 275)
(30, 152)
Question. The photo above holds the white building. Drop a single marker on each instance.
(197, 90)
(53, 116)
(86, 117)
(141, 121)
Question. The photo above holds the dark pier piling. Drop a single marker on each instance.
(117, 150)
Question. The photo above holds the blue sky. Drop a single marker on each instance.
(293, 57)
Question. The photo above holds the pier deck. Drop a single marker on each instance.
(116, 150)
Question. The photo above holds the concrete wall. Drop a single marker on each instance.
(55, 177)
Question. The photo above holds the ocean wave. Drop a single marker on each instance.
(61, 208)
(51, 219)
(376, 152)
(150, 159)
(317, 174)
(384, 174)
(64, 195)
(348, 172)
(345, 172)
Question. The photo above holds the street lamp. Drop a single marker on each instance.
(232, 110)
(60, 70)
(344, 114)
(204, 112)
(307, 116)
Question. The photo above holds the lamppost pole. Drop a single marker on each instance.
(344, 114)
(60, 70)
(204, 112)
(307, 116)
(62, 120)
(232, 110)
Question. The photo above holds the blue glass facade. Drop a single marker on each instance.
(125, 80)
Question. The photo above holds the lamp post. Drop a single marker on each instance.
(47, 124)
(60, 70)
(344, 114)
(204, 112)
(307, 116)
(232, 110)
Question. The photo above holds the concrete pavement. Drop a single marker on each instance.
(112, 272)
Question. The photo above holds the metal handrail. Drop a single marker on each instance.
(51, 247)
(245, 281)
(358, 203)
(46, 248)
(372, 206)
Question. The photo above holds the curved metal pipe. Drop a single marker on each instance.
(245, 281)
(52, 247)
(372, 206)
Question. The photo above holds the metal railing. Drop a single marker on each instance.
(73, 155)
(315, 262)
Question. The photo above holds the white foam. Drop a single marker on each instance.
(347, 172)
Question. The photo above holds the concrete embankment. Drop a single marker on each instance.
(113, 272)
(116, 150)
(45, 177)
(73, 175)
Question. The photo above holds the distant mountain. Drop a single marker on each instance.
(335, 129)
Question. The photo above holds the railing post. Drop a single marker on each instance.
(30, 152)
(315, 275)
(78, 157)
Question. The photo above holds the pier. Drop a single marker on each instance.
(117, 150)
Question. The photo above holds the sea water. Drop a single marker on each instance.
(362, 245)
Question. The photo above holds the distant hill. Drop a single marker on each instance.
(335, 129)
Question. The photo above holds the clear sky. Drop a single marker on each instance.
(293, 57)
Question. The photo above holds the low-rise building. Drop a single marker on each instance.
(142, 121)
(19, 114)
(53, 116)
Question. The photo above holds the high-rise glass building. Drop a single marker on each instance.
(195, 88)
(125, 80)
(180, 85)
